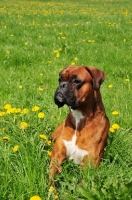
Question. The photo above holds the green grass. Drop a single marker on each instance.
(98, 33)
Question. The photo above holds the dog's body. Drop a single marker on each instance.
(82, 136)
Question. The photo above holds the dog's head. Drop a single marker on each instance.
(77, 84)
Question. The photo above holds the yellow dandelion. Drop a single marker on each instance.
(110, 86)
(15, 148)
(3, 129)
(73, 63)
(111, 129)
(49, 153)
(7, 106)
(25, 111)
(115, 126)
(56, 197)
(41, 115)
(20, 86)
(51, 189)
(76, 58)
(12, 110)
(49, 142)
(18, 110)
(124, 40)
(35, 198)
(40, 36)
(7, 51)
(40, 89)
(2, 114)
(43, 136)
(26, 43)
(115, 112)
(23, 125)
(12, 35)
(75, 24)
(41, 74)
(63, 37)
(56, 51)
(57, 55)
(6, 138)
(91, 41)
(35, 108)
(127, 80)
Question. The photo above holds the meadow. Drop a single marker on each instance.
(37, 40)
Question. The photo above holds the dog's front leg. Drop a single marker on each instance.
(57, 157)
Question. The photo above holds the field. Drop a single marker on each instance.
(37, 40)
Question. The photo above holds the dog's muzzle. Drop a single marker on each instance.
(65, 95)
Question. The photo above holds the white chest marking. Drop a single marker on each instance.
(72, 150)
(77, 116)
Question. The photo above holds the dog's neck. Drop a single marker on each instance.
(77, 116)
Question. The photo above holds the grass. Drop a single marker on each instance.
(38, 39)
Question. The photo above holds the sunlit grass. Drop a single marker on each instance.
(38, 39)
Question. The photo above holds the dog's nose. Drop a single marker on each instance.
(63, 85)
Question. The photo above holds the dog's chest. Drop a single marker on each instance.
(72, 150)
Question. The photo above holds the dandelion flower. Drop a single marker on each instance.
(51, 189)
(35, 108)
(56, 51)
(2, 114)
(56, 197)
(41, 115)
(49, 142)
(7, 106)
(57, 55)
(20, 86)
(35, 198)
(73, 63)
(111, 129)
(43, 136)
(13, 110)
(26, 43)
(127, 80)
(23, 125)
(25, 111)
(40, 89)
(49, 153)
(6, 138)
(115, 126)
(115, 112)
(3, 129)
(76, 58)
(110, 86)
(15, 148)
(7, 51)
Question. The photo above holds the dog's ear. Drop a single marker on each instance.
(97, 75)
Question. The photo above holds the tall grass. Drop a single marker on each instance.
(38, 39)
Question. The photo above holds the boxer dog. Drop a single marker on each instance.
(82, 136)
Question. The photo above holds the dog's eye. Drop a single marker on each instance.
(76, 82)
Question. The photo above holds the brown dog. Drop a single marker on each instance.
(82, 136)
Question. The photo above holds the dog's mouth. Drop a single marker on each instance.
(66, 98)
(59, 99)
